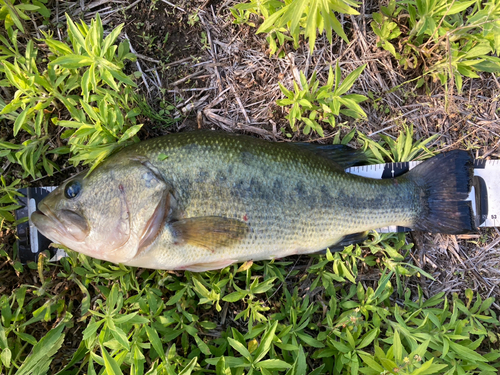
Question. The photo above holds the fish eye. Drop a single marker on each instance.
(72, 189)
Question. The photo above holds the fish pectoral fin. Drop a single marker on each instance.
(349, 240)
(202, 267)
(210, 232)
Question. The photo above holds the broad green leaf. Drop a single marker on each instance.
(235, 296)
(337, 27)
(221, 368)
(76, 34)
(429, 368)
(466, 353)
(110, 364)
(457, 7)
(266, 342)
(107, 77)
(130, 132)
(275, 364)
(91, 329)
(110, 39)
(155, 341)
(43, 352)
(309, 340)
(368, 338)
(397, 346)
(349, 80)
(21, 120)
(73, 61)
(5, 357)
(189, 367)
(312, 24)
(73, 124)
(202, 345)
(121, 337)
(370, 361)
(268, 24)
(120, 76)
(341, 347)
(300, 365)
(264, 286)
(240, 348)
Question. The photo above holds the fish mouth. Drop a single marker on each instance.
(50, 226)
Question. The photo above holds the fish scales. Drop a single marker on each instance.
(293, 200)
(203, 200)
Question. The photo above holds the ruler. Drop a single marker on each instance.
(484, 195)
(30, 241)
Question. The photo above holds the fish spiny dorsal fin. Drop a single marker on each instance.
(343, 155)
(210, 232)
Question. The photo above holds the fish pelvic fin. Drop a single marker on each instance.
(210, 232)
(445, 182)
(208, 266)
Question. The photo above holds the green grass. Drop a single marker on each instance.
(441, 39)
(359, 311)
(278, 319)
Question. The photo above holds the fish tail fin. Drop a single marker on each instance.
(445, 181)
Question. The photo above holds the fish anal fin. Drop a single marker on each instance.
(344, 156)
(349, 240)
(202, 267)
(210, 232)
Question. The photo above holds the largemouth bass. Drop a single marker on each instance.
(204, 200)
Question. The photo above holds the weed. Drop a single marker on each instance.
(296, 18)
(445, 39)
(193, 18)
(313, 104)
(404, 148)
(87, 80)
(13, 13)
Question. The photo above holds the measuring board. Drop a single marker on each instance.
(484, 195)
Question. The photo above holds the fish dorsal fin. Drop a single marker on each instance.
(210, 232)
(343, 155)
